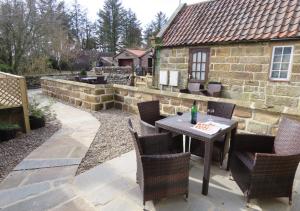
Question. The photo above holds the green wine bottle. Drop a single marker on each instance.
(194, 113)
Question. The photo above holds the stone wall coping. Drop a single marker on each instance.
(238, 103)
(92, 86)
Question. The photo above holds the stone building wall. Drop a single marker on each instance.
(252, 117)
(94, 97)
(243, 70)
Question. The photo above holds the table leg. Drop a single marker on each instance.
(184, 142)
(190, 141)
(226, 149)
(207, 164)
(232, 140)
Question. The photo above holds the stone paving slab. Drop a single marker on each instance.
(77, 204)
(12, 195)
(43, 201)
(29, 164)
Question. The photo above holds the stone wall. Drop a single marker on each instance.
(243, 70)
(94, 97)
(252, 117)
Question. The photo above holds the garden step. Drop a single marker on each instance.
(28, 164)
(44, 201)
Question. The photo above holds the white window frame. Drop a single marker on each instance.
(290, 64)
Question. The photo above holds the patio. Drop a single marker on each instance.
(52, 184)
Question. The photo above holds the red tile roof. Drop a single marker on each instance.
(234, 21)
(136, 52)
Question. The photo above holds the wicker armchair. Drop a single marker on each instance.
(265, 166)
(193, 88)
(160, 173)
(213, 89)
(150, 111)
(224, 110)
(149, 114)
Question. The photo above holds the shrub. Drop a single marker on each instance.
(5, 68)
(83, 73)
(8, 126)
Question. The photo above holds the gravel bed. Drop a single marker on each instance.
(112, 140)
(15, 150)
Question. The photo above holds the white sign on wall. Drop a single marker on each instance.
(173, 78)
(163, 77)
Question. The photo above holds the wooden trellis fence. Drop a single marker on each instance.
(13, 93)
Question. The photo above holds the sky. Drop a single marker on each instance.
(144, 9)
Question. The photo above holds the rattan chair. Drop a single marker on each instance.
(213, 89)
(221, 109)
(149, 114)
(193, 88)
(150, 111)
(160, 173)
(265, 166)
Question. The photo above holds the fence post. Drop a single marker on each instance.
(25, 103)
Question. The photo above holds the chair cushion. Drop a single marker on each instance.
(247, 158)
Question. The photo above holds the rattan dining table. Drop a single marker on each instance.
(181, 125)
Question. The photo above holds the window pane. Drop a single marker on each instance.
(193, 75)
(283, 74)
(199, 57)
(202, 76)
(276, 66)
(195, 57)
(194, 67)
(277, 58)
(203, 67)
(203, 57)
(198, 75)
(286, 58)
(278, 50)
(275, 74)
(284, 66)
(287, 50)
(198, 67)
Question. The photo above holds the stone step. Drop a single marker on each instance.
(44, 201)
(29, 164)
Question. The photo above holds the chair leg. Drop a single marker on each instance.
(290, 199)
(221, 159)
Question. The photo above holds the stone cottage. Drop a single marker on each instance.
(135, 57)
(251, 46)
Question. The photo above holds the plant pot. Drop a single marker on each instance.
(7, 134)
(36, 122)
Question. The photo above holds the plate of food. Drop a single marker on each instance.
(209, 128)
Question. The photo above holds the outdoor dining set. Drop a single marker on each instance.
(92, 80)
(262, 166)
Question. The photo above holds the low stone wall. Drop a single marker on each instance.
(252, 117)
(94, 97)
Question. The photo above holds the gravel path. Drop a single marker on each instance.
(113, 138)
(15, 150)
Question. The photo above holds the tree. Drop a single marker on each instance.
(131, 32)
(31, 29)
(155, 27)
(110, 26)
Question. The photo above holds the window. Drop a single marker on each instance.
(198, 65)
(281, 63)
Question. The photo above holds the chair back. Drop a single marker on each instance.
(135, 137)
(287, 141)
(214, 88)
(194, 87)
(149, 111)
(224, 110)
